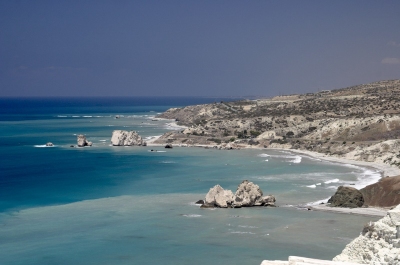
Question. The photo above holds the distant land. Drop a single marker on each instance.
(359, 123)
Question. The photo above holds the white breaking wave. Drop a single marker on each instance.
(312, 186)
(43, 145)
(332, 181)
(62, 116)
(87, 116)
(293, 158)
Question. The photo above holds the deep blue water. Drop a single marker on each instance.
(126, 205)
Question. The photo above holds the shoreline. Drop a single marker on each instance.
(383, 169)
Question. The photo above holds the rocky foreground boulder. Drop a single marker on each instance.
(247, 194)
(379, 242)
(385, 193)
(347, 197)
(81, 141)
(126, 138)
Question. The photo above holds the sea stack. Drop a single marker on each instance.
(126, 138)
(82, 142)
(247, 194)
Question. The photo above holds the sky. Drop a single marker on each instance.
(194, 48)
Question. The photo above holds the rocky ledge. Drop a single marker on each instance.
(247, 194)
(126, 138)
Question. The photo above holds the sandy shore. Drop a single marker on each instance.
(384, 169)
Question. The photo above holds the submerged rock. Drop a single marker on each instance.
(347, 197)
(82, 142)
(247, 194)
(126, 138)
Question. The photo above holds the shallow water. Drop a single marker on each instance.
(126, 205)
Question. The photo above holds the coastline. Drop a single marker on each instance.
(384, 170)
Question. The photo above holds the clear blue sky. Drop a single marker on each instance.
(195, 48)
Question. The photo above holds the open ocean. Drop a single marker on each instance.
(126, 205)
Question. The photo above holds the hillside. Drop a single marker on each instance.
(360, 122)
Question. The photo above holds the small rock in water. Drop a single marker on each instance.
(200, 202)
(168, 146)
(49, 144)
(71, 145)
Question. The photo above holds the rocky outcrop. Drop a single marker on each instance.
(218, 197)
(126, 138)
(347, 197)
(378, 243)
(49, 144)
(247, 194)
(385, 193)
(82, 142)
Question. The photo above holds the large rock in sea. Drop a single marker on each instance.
(126, 138)
(218, 197)
(347, 197)
(81, 141)
(385, 193)
(247, 194)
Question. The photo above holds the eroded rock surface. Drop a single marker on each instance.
(347, 197)
(247, 194)
(377, 244)
(82, 142)
(126, 138)
(385, 193)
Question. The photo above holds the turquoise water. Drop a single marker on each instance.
(126, 205)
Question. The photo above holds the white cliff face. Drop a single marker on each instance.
(379, 243)
(126, 138)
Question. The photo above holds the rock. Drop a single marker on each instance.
(71, 145)
(200, 202)
(144, 143)
(377, 244)
(218, 197)
(248, 194)
(126, 138)
(347, 197)
(168, 146)
(385, 193)
(82, 142)
(49, 144)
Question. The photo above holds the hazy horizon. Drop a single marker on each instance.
(195, 48)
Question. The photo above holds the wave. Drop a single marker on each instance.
(102, 140)
(241, 232)
(192, 215)
(332, 181)
(293, 158)
(62, 116)
(75, 116)
(43, 145)
(312, 186)
(88, 116)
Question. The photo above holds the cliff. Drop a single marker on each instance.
(384, 193)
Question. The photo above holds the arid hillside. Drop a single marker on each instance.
(360, 122)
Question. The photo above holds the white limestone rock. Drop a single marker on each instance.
(218, 197)
(248, 194)
(82, 142)
(377, 244)
(126, 138)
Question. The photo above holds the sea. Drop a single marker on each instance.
(128, 205)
